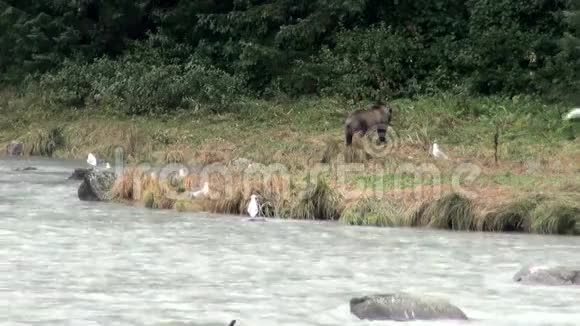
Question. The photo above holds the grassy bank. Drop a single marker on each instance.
(399, 185)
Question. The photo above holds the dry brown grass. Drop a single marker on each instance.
(161, 198)
(123, 188)
(231, 188)
(215, 151)
(191, 181)
(174, 156)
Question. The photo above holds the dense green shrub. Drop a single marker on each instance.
(511, 42)
(374, 63)
(135, 87)
(154, 56)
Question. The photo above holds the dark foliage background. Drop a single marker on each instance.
(143, 56)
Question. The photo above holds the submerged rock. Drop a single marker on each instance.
(403, 307)
(96, 185)
(15, 148)
(29, 168)
(544, 275)
(79, 174)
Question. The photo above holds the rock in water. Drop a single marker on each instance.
(403, 307)
(85, 193)
(79, 174)
(557, 275)
(96, 186)
(29, 168)
(15, 148)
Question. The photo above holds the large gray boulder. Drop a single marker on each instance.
(96, 185)
(404, 307)
(15, 148)
(545, 275)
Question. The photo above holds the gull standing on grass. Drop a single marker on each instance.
(572, 115)
(437, 153)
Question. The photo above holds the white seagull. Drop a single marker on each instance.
(203, 192)
(572, 115)
(93, 161)
(437, 153)
(254, 209)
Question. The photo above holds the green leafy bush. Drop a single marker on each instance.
(141, 88)
(146, 56)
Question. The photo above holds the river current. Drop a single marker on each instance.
(67, 262)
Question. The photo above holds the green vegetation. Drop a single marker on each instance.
(512, 217)
(374, 212)
(532, 214)
(318, 202)
(145, 56)
(451, 212)
(538, 214)
(295, 131)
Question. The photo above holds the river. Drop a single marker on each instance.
(66, 262)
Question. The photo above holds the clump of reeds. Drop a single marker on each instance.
(556, 216)
(227, 204)
(144, 186)
(511, 217)
(174, 156)
(190, 181)
(44, 142)
(148, 199)
(416, 214)
(374, 212)
(234, 188)
(356, 152)
(319, 202)
(161, 198)
(536, 214)
(190, 205)
(354, 155)
(331, 152)
(123, 188)
(452, 212)
(215, 151)
(571, 187)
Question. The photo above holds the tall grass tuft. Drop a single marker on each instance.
(148, 199)
(331, 152)
(123, 188)
(319, 202)
(227, 204)
(452, 212)
(233, 190)
(556, 216)
(161, 199)
(355, 155)
(174, 156)
(356, 152)
(44, 142)
(215, 151)
(511, 217)
(374, 212)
